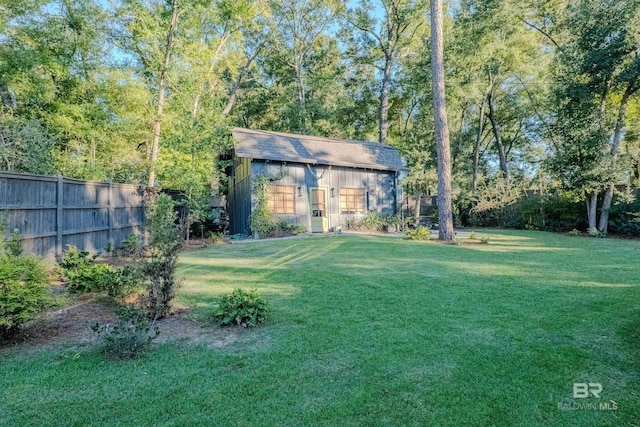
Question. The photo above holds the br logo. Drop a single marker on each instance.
(582, 390)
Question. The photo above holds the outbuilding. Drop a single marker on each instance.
(319, 182)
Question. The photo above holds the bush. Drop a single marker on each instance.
(164, 245)
(23, 291)
(260, 219)
(130, 337)
(420, 233)
(624, 217)
(373, 221)
(241, 308)
(298, 229)
(89, 278)
(124, 282)
(131, 246)
(74, 259)
(215, 237)
(14, 244)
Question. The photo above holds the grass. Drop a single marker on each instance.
(372, 330)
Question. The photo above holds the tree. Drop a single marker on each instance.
(391, 35)
(445, 215)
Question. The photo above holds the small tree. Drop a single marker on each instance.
(164, 245)
(260, 220)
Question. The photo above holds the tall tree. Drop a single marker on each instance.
(445, 214)
(391, 35)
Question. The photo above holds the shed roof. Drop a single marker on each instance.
(267, 145)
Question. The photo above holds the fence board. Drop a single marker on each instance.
(52, 212)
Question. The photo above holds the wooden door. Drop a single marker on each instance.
(319, 214)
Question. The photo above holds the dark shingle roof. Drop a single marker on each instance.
(267, 145)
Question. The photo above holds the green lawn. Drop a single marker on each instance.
(372, 330)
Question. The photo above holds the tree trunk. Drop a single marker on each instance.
(615, 145)
(592, 209)
(476, 146)
(236, 86)
(498, 138)
(155, 144)
(445, 214)
(383, 125)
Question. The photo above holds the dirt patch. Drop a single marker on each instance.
(71, 325)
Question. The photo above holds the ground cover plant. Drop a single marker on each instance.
(370, 330)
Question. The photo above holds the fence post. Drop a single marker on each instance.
(59, 213)
(111, 214)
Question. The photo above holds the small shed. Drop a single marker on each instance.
(318, 182)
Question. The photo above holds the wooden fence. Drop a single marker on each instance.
(53, 211)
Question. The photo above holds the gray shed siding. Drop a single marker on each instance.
(379, 186)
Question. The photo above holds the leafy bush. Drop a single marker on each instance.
(624, 217)
(420, 233)
(130, 337)
(164, 245)
(14, 244)
(484, 240)
(131, 246)
(23, 291)
(575, 232)
(215, 237)
(124, 282)
(594, 232)
(260, 219)
(89, 278)
(241, 308)
(298, 229)
(373, 221)
(74, 259)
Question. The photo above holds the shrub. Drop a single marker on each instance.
(420, 233)
(241, 308)
(132, 246)
(625, 217)
(215, 237)
(130, 337)
(14, 244)
(594, 232)
(484, 240)
(75, 259)
(373, 221)
(89, 278)
(575, 232)
(299, 229)
(260, 219)
(124, 282)
(160, 267)
(23, 291)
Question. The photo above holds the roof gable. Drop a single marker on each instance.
(267, 145)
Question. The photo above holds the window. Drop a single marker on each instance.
(282, 199)
(351, 200)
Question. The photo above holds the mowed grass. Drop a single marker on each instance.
(375, 331)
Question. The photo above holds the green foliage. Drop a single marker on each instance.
(130, 337)
(131, 246)
(14, 244)
(575, 232)
(91, 278)
(82, 273)
(625, 217)
(298, 229)
(124, 282)
(261, 221)
(23, 291)
(594, 232)
(484, 240)
(373, 221)
(215, 237)
(164, 245)
(74, 259)
(244, 308)
(419, 233)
